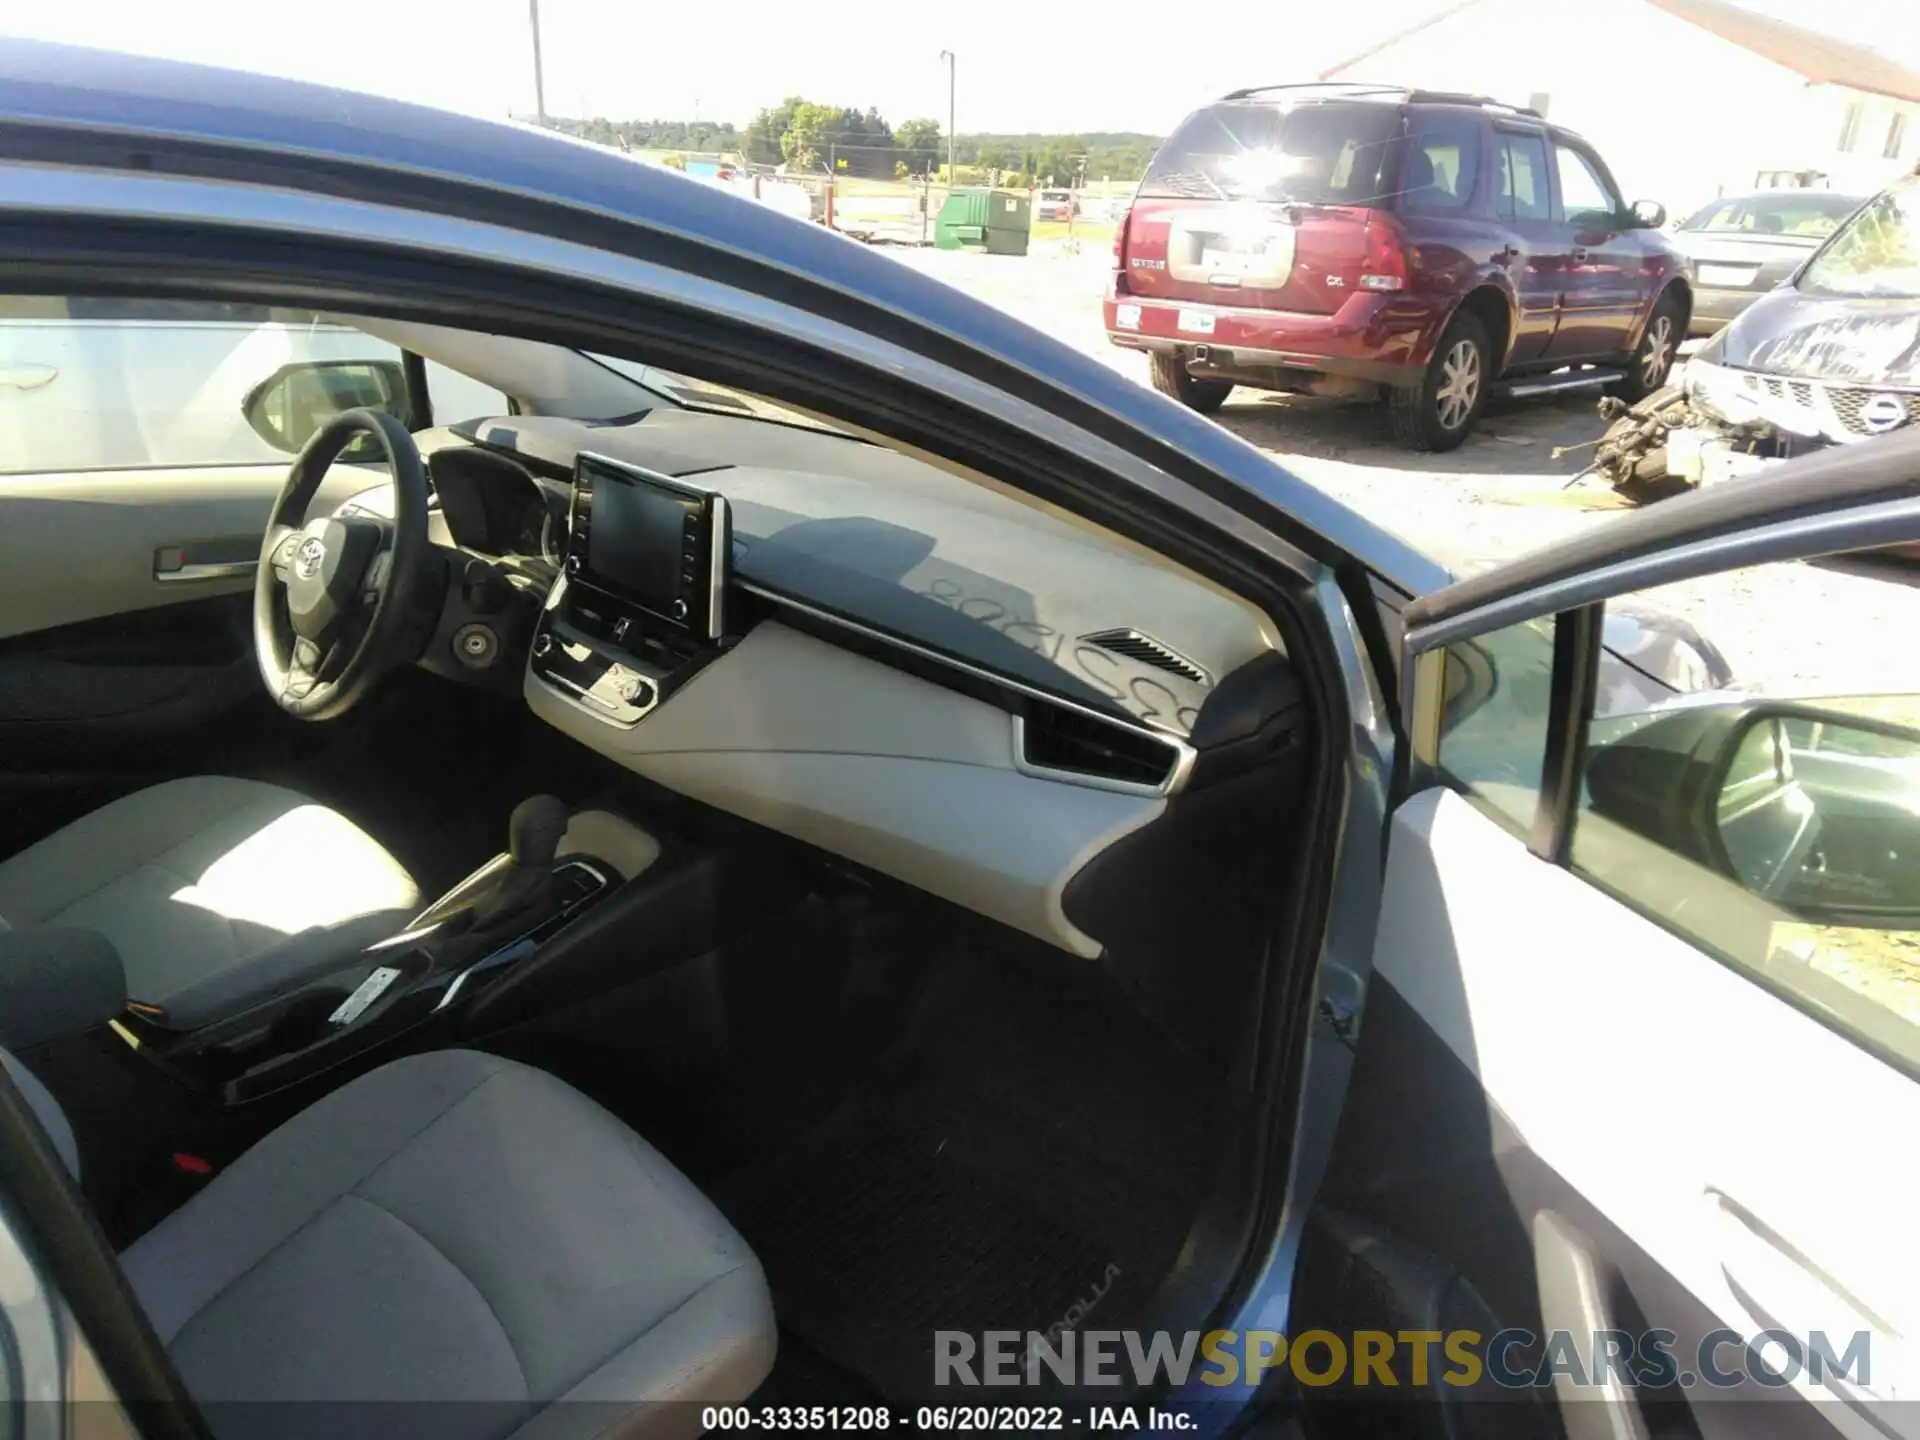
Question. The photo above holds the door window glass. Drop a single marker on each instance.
(104, 383)
(1493, 718)
(1774, 820)
(1524, 194)
(1443, 163)
(1499, 690)
(1582, 191)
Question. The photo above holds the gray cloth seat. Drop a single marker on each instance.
(217, 892)
(455, 1245)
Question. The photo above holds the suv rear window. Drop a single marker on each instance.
(1315, 154)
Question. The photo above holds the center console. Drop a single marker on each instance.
(578, 903)
(568, 910)
(641, 606)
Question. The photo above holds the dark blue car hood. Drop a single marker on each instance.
(1809, 337)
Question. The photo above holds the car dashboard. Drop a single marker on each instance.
(916, 673)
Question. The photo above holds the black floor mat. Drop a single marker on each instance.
(932, 1211)
(1031, 1157)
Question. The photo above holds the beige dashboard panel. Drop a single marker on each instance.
(781, 689)
(877, 766)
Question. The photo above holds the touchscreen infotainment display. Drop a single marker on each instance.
(647, 539)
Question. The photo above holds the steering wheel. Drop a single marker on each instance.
(334, 596)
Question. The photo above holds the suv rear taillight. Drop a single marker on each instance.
(1120, 244)
(1383, 263)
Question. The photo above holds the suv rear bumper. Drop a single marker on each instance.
(1385, 339)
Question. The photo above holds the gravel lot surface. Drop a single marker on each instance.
(1835, 628)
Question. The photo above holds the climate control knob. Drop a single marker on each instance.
(542, 643)
(679, 608)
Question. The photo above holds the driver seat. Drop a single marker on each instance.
(218, 892)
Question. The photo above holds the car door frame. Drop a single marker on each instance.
(1605, 295)
(1408, 1108)
(975, 387)
(1537, 253)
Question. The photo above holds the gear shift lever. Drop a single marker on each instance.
(535, 829)
(533, 838)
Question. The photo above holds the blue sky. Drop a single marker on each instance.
(1116, 65)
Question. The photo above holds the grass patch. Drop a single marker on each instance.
(1088, 232)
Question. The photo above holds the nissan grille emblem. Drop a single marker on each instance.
(307, 559)
(1882, 413)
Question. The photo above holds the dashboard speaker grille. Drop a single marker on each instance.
(1059, 739)
(1147, 651)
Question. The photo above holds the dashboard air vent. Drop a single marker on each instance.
(1147, 651)
(1054, 738)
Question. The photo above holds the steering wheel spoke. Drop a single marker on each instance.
(281, 542)
(373, 585)
(306, 669)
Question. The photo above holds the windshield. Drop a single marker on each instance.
(1795, 213)
(1876, 253)
(1316, 154)
(705, 395)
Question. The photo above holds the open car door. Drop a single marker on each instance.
(1630, 1143)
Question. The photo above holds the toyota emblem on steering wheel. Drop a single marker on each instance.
(308, 558)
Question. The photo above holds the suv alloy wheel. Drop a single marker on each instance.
(1439, 413)
(1653, 357)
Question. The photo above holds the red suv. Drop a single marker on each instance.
(1421, 247)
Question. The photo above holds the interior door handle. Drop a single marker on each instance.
(1574, 1301)
(1784, 1289)
(26, 374)
(219, 570)
(1581, 255)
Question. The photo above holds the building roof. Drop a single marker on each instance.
(1819, 58)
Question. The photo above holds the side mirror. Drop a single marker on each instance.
(288, 406)
(1814, 809)
(1819, 812)
(1649, 214)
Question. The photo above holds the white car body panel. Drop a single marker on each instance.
(1668, 1088)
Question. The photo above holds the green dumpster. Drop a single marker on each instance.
(962, 221)
(994, 220)
(1009, 222)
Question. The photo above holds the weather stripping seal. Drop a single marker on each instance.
(1867, 526)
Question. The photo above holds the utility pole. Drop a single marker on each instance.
(947, 55)
(539, 76)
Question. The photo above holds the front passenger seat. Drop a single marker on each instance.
(451, 1246)
(217, 892)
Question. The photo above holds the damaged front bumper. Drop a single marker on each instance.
(1705, 453)
(1726, 424)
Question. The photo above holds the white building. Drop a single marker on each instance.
(1686, 99)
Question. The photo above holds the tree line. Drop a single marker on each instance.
(813, 138)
